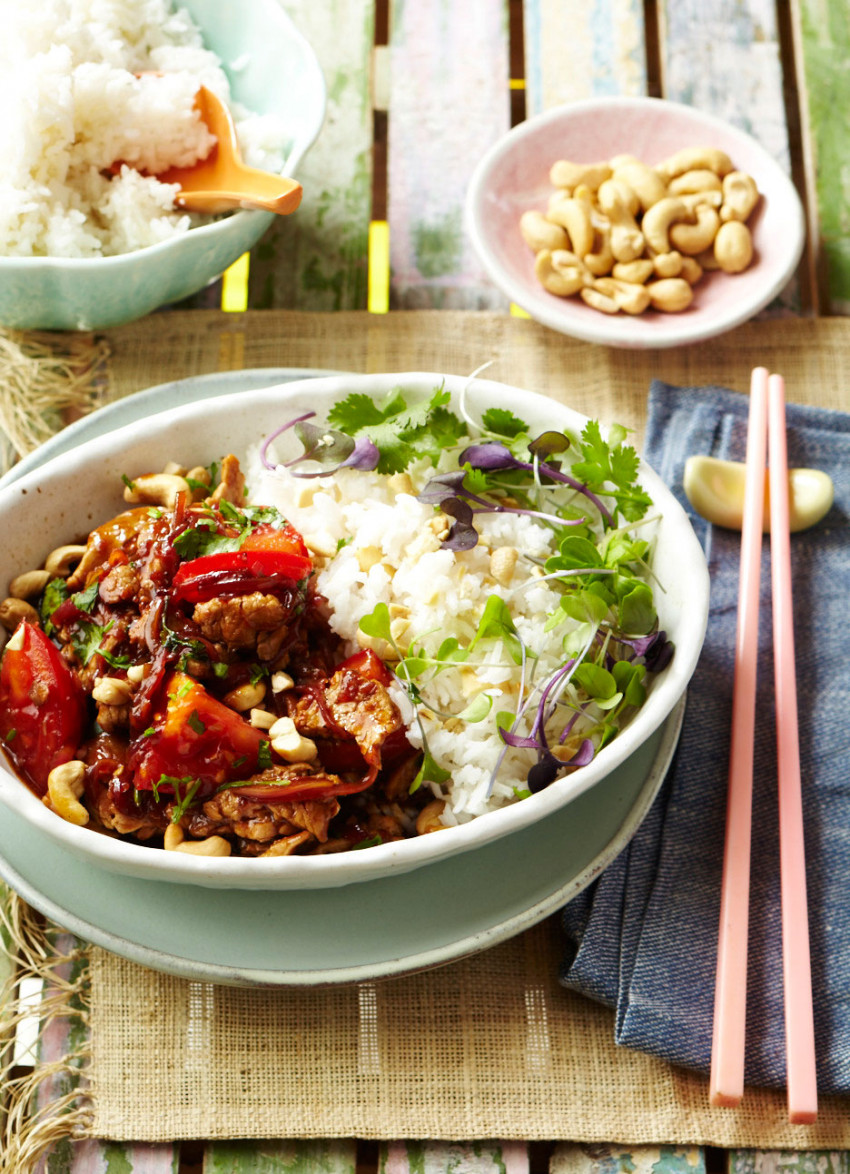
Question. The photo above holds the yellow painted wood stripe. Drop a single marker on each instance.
(234, 285)
(379, 267)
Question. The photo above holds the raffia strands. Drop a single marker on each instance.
(43, 1105)
(45, 380)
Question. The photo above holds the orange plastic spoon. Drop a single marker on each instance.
(222, 182)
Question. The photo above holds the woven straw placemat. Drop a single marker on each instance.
(489, 1046)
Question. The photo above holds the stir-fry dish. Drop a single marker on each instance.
(182, 682)
(417, 620)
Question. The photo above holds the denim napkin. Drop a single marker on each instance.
(643, 939)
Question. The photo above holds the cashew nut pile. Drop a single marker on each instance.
(626, 236)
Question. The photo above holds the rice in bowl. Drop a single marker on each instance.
(98, 99)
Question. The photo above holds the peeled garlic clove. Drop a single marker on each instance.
(715, 489)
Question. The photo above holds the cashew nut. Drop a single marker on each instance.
(671, 294)
(156, 489)
(695, 159)
(646, 183)
(261, 719)
(631, 298)
(428, 819)
(658, 220)
(65, 785)
(574, 216)
(29, 584)
(564, 174)
(61, 561)
(733, 246)
(599, 301)
(695, 238)
(627, 240)
(561, 281)
(540, 233)
(667, 264)
(636, 272)
(740, 196)
(281, 681)
(691, 270)
(600, 262)
(174, 841)
(13, 611)
(502, 562)
(289, 744)
(692, 182)
(694, 200)
(136, 673)
(246, 696)
(112, 691)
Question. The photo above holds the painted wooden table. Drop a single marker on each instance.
(418, 90)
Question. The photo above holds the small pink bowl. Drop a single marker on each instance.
(514, 177)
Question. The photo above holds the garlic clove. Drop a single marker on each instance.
(715, 489)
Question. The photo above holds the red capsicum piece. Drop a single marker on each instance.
(265, 557)
(43, 712)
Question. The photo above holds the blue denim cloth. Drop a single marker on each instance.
(643, 939)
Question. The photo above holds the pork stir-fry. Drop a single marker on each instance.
(175, 681)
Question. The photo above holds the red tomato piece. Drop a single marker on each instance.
(367, 664)
(285, 540)
(43, 711)
(193, 735)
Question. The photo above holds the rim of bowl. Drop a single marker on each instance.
(243, 215)
(621, 330)
(299, 871)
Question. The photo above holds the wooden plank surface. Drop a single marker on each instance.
(624, 1159)
(317, 259)
(822, 29)
(725, 59)
(575, 50)
(280, 1157)
(443, 1157)
(448, 103)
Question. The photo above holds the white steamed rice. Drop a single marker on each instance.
(392, 554)
(73, 107)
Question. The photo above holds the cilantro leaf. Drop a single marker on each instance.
(401, 432)
(503, 423)
(611, 470)
(87, 598)
(55, 593)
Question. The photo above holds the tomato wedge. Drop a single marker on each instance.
(193, 735)
(367, 664)
(43, 711)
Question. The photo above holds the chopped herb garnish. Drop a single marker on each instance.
(195, 722)
(54, 594)
(87, 598)
(10, 734)
(264, 755)
(131, 485)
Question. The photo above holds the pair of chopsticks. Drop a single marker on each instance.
(766, 430)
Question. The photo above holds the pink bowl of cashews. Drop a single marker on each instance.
(635, 222)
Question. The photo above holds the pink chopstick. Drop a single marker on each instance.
(766, 427)
(726, 1087)
(796, 965)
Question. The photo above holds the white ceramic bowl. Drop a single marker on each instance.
(272, 70)
(81, 488)
(513, 177)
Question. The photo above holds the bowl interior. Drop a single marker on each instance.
(81, 488)
(514, 177)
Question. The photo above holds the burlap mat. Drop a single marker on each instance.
(489, 1046)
